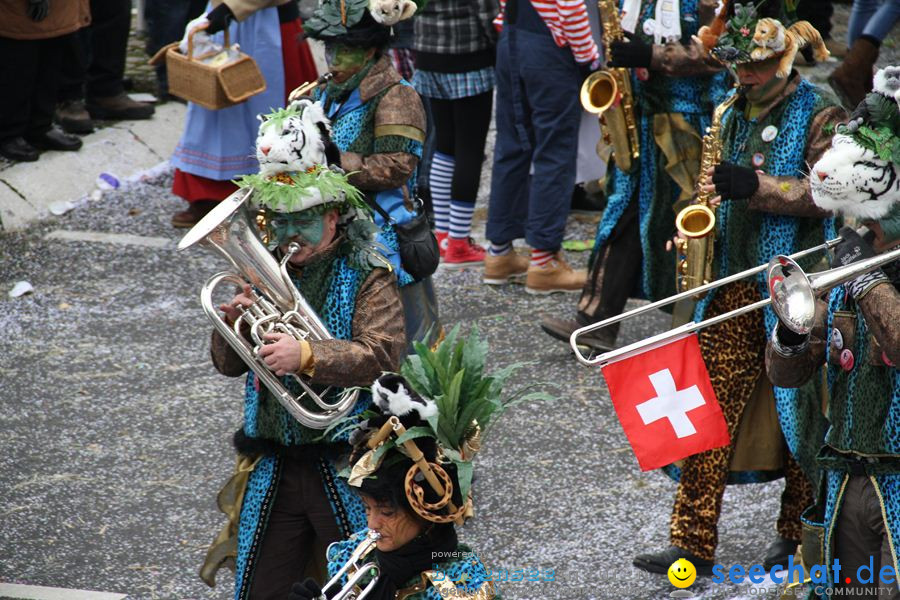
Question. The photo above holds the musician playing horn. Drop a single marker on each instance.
(293, 501)
(676, 85)
(418, 554)
(778, 126)
(856, 334)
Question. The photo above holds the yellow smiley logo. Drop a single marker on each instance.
(682, 573)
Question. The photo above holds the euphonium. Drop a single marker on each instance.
(608, 93)
(697, 222)
(280, 309)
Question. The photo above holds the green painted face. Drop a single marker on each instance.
(344, 58)
(304, 227)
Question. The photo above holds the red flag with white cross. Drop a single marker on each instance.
(666, 404)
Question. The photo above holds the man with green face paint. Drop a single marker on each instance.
(294, 504)
(378, 126)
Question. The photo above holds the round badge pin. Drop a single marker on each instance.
(887, 361)
(847, 360)
(649, 27)
(837, 340)
(758, 159)
(768, 134)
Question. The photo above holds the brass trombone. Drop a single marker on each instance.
(792, 294)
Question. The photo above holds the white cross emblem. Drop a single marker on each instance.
(671, 404)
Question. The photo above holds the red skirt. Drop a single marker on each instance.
(299, 67)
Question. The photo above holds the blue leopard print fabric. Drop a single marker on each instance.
(258, 497)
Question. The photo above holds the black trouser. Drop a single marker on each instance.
(29, 80)
(166, 20)
(615, 271)
(460, 128)
(95, 63)
(301, 523)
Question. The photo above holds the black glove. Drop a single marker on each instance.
(308, 590)
(38, 9)
(733, 182)
(332, 152)
(219, 18)
(852, 248)
(633, 54)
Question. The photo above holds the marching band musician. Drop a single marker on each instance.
(378, 128)
(673, 104)
(293, 501)
(779, 124)
(857, 336)
(418, 553)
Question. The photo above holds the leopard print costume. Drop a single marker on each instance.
(734, 355)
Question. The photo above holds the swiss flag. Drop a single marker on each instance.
(666, 404)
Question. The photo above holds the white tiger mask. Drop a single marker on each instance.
(297, 144)
(391, 12)
(852, 181)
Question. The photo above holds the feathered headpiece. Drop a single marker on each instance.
(435, 413)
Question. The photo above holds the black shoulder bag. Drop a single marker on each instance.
(419, 253)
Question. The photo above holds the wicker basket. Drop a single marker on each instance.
(211, 87)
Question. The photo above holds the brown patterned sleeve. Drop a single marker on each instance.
(399, 113)
(881, 308)
(378, 172)
(379, 337)
(793, 370)
(791, 195)
(224, 358)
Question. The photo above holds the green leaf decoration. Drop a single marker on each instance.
(880, 140)
(332, 186)
(328, 20)
(883, 111)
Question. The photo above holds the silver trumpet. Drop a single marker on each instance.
(355, 570)
(280, 309)
(792, 294)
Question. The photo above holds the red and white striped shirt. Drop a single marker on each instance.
(568, 23)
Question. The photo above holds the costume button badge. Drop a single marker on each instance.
(649, 27)
(768, 134)
(758, 159)
(885, 358)
(847, 360)
(837, 340)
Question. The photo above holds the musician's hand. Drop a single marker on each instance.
(285, 354)
(631, 54)
(232, 309)
(307, 590)
(673, 243)
(852, 248)
(734, 182)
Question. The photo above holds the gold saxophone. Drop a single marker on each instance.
(601, 89)
(697, 222)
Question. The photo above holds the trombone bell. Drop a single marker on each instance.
(792, 293)
(598, 92)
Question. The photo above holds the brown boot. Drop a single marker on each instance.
(73, 117)
(600, 340)
(118, 108)
(185, 219)
(556, 275)
(506, 268)
(852, 80)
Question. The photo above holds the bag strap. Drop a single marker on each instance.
(373, 203)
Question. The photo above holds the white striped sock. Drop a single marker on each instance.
(461, 218)
(500, 249)
(540, 257)
(440, 179)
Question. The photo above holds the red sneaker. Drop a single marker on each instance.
(463, 252)
(442, 241)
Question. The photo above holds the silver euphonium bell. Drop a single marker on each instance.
(280, 309)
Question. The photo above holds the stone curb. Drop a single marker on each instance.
(27, 190)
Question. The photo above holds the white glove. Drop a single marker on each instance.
(200, 39)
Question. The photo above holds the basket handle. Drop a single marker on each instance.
(193, 32)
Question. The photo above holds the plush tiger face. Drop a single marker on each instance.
(768, 38)
(853, 181)
(292, 140)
